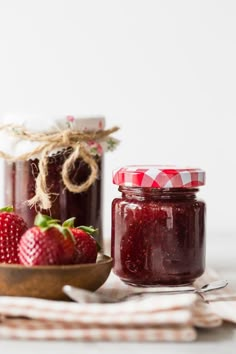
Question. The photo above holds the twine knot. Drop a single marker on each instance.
(73, 139)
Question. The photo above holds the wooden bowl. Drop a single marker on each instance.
(46, 282)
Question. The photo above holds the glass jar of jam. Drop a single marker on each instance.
(158, 225)
(22, 166)
(86, 207)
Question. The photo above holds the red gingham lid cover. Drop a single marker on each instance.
(156, 176)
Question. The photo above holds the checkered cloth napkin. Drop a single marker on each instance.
(142, 318)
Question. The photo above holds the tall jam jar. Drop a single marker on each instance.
(20, 176)
(158, 225)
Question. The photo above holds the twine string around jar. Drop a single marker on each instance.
(73, 139)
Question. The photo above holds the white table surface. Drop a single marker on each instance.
(221, 256)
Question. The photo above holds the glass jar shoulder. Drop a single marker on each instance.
(140, 203)
(133, 209)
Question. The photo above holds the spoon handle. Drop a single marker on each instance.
(215, 285)
(85, 296)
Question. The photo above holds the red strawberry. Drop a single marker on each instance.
(47, 243)
(39, 247)
(86, 247)
(12, 227)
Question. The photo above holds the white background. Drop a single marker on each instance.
(164, 71)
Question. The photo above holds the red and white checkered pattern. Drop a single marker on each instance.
(155, 176)
(152, 318)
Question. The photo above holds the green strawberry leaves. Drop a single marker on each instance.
(8, 209)
(89, 229)
(69, 223)
(44, 222)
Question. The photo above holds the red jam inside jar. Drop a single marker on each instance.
(86, 207)
(158, 234)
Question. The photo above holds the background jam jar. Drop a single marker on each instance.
(21, 140)
(158, 226)
(86, 207)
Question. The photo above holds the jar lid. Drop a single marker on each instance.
(45, 123)
(156, 176)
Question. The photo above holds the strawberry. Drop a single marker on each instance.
(12, 227)
(86, 247)
(47, 243)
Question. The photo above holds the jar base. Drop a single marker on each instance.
(163, 280)
(158, 285)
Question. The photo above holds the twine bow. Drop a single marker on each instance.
(76, 140)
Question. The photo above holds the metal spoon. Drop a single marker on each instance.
(85, 296)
